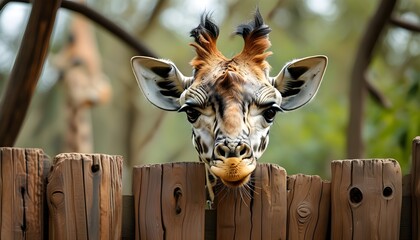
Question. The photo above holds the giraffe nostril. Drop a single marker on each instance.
(222, 152)
(242, 152)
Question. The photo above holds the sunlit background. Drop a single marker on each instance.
(303, 141)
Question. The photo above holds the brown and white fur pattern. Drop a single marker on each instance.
(231, 103)
(85, 84)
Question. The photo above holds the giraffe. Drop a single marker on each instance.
(230, 102)
(84, 82)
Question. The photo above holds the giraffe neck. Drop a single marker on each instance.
(79, 136)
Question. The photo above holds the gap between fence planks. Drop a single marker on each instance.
(85, 196)
(415, 189)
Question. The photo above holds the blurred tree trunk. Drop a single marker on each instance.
(27, 69)
(358, 86)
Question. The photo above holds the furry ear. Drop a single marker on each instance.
(160, 80)
(299, 81)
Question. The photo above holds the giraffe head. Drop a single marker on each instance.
(230, 102)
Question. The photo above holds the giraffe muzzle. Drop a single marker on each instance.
(234, 171)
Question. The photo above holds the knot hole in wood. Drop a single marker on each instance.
(23, 226)
(57, 199)
(95, 168)
(177, 196)
(388, 192)
(355, 195)
(304, 212)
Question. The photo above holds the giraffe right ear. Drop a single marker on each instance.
(299, 81)
(160, 80)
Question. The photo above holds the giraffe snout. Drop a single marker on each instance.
(234, 163)
(230, 150)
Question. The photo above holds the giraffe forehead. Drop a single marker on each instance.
(217, 69)
(233, 79)
(234, 90)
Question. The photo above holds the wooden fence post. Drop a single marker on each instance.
(366, 199)
(84, 194)
(308, 201)
(169, 201)
(415, 189)
(261, 213)
(22, 190)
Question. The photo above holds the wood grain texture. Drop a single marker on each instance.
(415, 189)
(84, 194)
(169, 201)
(22, 190)
(258, 212)
(366, 199)
(308, 200)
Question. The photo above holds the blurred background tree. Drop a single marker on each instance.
(304, 141)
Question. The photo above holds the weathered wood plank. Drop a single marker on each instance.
(85, 196)
(257, 211)
(273, 219)
(234, 219)
(22, 190)
(308, 200)
(152, 211)
(415, 189)
(366, 199)
(169, 201)
(136, 185)
(184, 188)
(111, 196)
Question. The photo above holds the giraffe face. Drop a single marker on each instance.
(231, 112)
(230, 103)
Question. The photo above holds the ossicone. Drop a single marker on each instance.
(255, 35)
(205, 38)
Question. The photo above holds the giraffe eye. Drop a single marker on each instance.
(269, 114)
(192, 114)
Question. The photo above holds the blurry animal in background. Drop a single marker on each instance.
(85, 84)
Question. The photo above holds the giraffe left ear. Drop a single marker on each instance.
(160, 80)
(299, 81)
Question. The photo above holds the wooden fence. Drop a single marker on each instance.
(79, 196)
